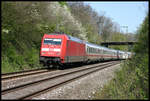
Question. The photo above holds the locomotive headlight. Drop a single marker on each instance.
(56, 49)
(45, 49)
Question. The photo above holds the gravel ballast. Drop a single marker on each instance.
(83, 88)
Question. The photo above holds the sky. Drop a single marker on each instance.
(130, 14)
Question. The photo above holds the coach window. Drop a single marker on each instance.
(106, 51)
(103, 51)
(90, 50)
(110, 52)
(87, 49)
(100, 51)
(93, 50)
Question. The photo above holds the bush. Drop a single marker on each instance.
(132, 81)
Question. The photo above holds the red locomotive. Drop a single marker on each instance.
(61, 49)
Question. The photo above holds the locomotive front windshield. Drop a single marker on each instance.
(52, 41)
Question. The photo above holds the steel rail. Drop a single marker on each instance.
(4, 74)
(44, 80)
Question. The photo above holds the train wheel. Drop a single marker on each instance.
(60, 66)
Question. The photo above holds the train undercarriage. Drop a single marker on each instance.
(55, 62)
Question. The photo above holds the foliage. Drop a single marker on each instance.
(24, 24)
(86, 16)
(19, 39)
(62, 3)
(143, 45)
(132, 81)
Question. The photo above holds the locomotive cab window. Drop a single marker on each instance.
(52, 41)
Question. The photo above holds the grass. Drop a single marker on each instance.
(127, 84)
(13, 61)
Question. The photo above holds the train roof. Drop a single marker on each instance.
(113, 50)
(129, 52)
(55, 34)
(121, 51)
(75, 39)
(94, 45)
(101, 47)
(105, 48)
(69, 37)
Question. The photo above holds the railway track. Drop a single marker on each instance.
(32, 89)
(8, 76)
